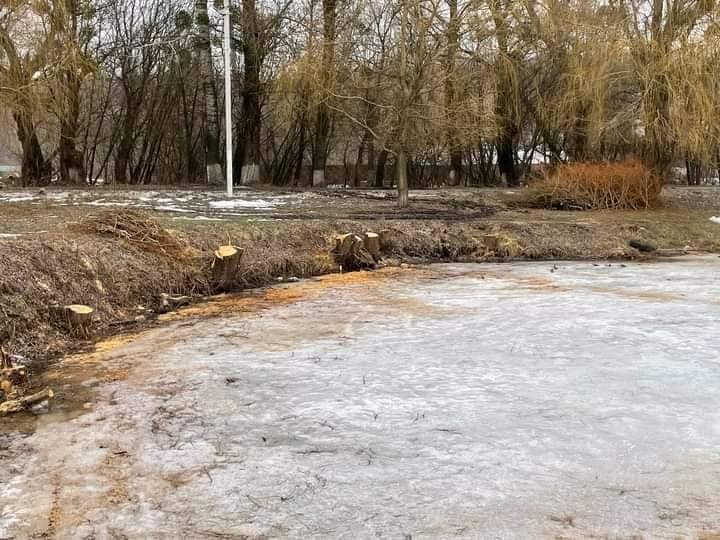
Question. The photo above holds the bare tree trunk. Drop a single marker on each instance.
(505, 105)
(322, 126)
(72, 166)
(35, 170)
(453, 37)
(380, 170)
(212, 119)
(371, 162)
(506, 160)
(300, 153)
(402, 179)
(251, 113)
(360, 156)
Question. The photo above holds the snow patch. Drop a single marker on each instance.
(241, 203)
(169, 208)
(198, 218)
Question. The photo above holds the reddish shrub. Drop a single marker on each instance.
(594, 186)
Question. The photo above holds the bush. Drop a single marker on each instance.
(596, 186)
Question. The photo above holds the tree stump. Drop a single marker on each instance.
(225, 266)
(79, 319)
(350, 253)
(371, 242)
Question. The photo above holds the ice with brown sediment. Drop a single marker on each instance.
(471, 401)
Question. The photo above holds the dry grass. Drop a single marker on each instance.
(628, 185)
(116, 262)
(136, 228)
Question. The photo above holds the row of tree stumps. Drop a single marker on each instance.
(357, 252)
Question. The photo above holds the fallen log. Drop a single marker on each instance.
(171, 302)
(225, 266)
(25, 402)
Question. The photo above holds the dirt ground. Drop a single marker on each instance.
(48, 257)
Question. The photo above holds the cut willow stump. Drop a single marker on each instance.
(225, 266)
(371, 242)
(79, 319)
(350, 253)
(76, 318)
(24, 403)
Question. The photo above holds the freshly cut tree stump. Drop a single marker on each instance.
(76, 318)
(79, 319)
(350, 253)
(371, 242)
(225, 266)
(24, 403)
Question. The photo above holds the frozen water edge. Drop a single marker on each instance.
(457, 401)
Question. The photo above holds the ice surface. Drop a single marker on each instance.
(471, 401)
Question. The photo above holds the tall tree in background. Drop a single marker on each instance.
(453, 46)
(210, 93)
(251, 115)
(505, 94)
(322, 124)
(68, 35)
(18, 90)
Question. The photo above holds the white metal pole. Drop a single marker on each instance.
(228, 104)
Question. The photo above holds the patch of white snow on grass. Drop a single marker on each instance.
(260, 204)
(198, 218)
(168, 208)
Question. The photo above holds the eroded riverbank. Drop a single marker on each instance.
(453, 400)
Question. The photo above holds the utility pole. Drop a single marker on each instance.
(228, 103)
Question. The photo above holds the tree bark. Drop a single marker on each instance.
(402, 179)
(505, 107)
(35, 170)
(251, 113)
(453, 38)
(207, 73)
(380, 169)
(322, 125)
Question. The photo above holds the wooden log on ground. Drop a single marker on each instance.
(171, 302)
(25, 402)
(225, 266)
(371, 242)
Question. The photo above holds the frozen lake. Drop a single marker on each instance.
(493, 401)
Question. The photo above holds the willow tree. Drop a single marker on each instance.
(68, 32)
(19, 62)
(451, 90)
(322, 123)
(660, 33)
